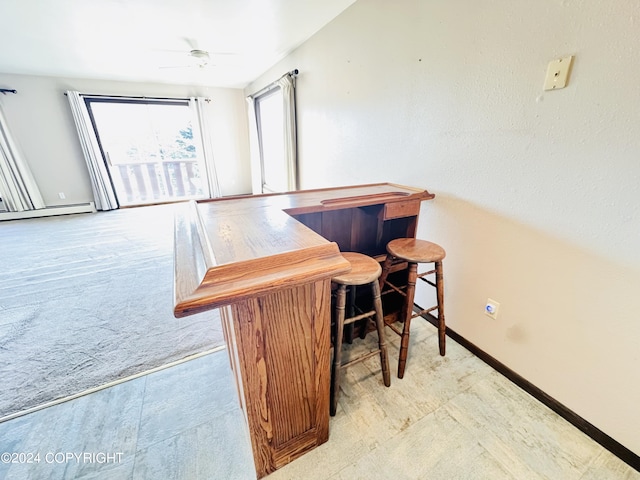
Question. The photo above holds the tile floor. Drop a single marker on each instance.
(449, 418)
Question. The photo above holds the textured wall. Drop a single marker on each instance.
(536, 191)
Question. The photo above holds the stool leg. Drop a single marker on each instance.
(442, 329)
(407, 312)
(351, 308)
(364, 324)
(382, 344)
(386, 266)
(337, 348)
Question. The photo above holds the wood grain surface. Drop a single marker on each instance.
(285, 374)
(268, 261)
(233, 248)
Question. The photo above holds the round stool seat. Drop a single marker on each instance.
(364, 269)
(415, 250)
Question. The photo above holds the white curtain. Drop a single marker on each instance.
(287, 84)
(254, 147)
(18, 188)
(202, 107)
(103, 194)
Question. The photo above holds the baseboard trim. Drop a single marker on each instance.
(49, 211)
(619, 450)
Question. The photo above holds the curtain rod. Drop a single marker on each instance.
(4, 91)
(135, 97)
(272, 85)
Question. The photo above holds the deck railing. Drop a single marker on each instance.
(153, 182)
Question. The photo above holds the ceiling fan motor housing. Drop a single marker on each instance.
(199, 54)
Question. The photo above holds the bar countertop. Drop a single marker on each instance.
(235, 248)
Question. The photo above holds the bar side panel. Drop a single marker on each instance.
(284, 367)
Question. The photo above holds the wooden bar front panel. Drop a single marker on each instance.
(281, 347)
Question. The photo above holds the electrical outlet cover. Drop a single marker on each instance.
(558, 73)
(491, 308)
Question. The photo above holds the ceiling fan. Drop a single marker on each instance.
(196, 57)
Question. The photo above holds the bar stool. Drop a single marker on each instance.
(364, 271)
(414, 251)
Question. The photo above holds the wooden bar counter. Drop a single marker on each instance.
(266, 262)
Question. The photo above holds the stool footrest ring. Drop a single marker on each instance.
(430, 272)
(349, 320)
(393, 287)
(422, 312)
(360, 359)
(394, 329)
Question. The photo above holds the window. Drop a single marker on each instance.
(273, 120)
(150, 149)
(269, 115)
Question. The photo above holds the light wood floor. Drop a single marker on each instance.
(449, 418)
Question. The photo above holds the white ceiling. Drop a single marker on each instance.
(133, 39)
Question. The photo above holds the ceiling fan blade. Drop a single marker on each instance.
(192, 43)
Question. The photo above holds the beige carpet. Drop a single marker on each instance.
(86, 300)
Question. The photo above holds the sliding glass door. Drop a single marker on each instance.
(150, 149)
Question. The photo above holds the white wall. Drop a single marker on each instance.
(40, 119)
(536, 192)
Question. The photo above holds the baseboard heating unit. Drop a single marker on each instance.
(50, 211)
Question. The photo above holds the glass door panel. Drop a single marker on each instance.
(270, 118)
(150, 150)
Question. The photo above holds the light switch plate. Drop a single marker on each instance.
(558, 73)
